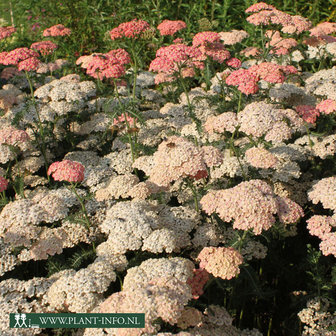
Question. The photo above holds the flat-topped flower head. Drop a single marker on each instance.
(258, 7)
(12, 136)
(327, 106)
(3, 184)
(222, 262)
(66, 170)
(29, 64)
(44, 47)
(206, 37)
(19, 54)
(308, 113)
(6, 32)
(170, 27)
(57, 30)
(132, 29)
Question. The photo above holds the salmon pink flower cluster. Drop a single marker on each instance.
(6, 32)
(327, 106)
(121, 120)
(308, 113)
(197, 282)
(170, 27)
(132, 29)
(173, 59)
(57, 30)
(222, 262)
(109, 65)
(67, 170)
(245, 80)
(12, 136)
(44, 47)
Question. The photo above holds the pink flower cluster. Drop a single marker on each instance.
(197, 282)
(265, 14)
(57, 30)
(12, 136)
(252, 205)
(6, 32)
(174, 58)
(210, 46)
(260, 158)
(109, 65)
(323, 29)
(44, 47)
(3, 184)
(321, 226)
(327, 106)
(221, 262)
(24, 58)
(170, 27)
(308, 113)
(67, 170)
(132, 29)
(280, 45)
(272, 72)
(179, 158)
(121, 120)
(245, 80)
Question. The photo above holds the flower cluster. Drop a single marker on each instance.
(67, 170)
(44, 47)
(6, 32)
(308, 113)
(178, 158)
(108, 65)
(170, 27)
(221, 262)
(3, 184)
(252, 205)
(24, 58)
(173, 59)
(57, 30)
(327, 106)
(132, 29)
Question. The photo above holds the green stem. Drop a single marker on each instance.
(195, 194)
(73, 188)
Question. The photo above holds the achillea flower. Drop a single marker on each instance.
(324, 191)
(67, 170)
(131, 29)
(121, 119)
(169, 27)
(260, 158)
(250, 51)
(280, 45)
(327, 106)
(44, 47)
(289, 211)
(9, 72)
(12, 136)
(221, 262)
(19, 54)
(298, 25)
(109, 65)
(197, 282)
(258, 7)
(328, 244)
(57, 30)
(6, 32)
(308, 113)
(29, 64)
(320, 225)
(226, 121)
(178, 158)
(271, 72)
(204, 38)
(251, 205)
(324, 28)
(174, 58)
(245, 80)
(232, 37)
(234, 63)
(3, 184)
